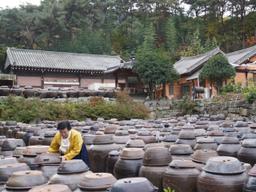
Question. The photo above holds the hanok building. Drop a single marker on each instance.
(44, 69)
(189, 68)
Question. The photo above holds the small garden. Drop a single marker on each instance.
(27, 110)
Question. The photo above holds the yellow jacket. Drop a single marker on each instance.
(76, 142)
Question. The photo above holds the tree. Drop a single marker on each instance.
(153, 64)
(217, 70)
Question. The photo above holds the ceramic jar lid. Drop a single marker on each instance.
(25, 180)
(249, 143)
(182, 164)
(72, 166)
(157, 156)
(230, 140)
(48, 158)
(51, 188)
(224, 165)
(103, 139)
(139, 184)
(181, 149)
(135, 143)
(201, 156)
(132, 153)
(97, 181)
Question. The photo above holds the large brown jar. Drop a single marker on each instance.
(229, 147)
(129, 163)
(98, 152)
(155, 163)
(181, 176)
(247, 152)
(222, 174)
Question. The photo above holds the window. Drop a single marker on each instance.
(185, 89)
(171, 89)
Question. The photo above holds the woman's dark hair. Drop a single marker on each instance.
(63, 125)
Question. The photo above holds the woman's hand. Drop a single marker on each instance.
(63, 158)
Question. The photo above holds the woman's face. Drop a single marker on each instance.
(64, 133)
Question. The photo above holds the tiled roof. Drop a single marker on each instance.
(60, 60)
(240, 56)
(189, 64)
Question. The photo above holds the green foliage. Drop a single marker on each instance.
(27, 110)
(153, 64)
(185, 106)
(231, 88)
(250, 94)
(216, 70)
(169, 190)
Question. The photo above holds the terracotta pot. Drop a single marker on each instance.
(133, 184)
(7, 160)
(191, 142)
(157, 156)
(35, 150)
(222, 174)
(187, 134)
(202, 156)
(96, 182)
(49, 170)
(51, 188)
(180, 172)
(7, 170)
(25, 180)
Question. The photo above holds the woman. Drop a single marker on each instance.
(69, 143)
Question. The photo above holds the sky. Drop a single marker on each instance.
(16, 3)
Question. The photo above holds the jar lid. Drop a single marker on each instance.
(224, 165)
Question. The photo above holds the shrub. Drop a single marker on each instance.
(27, 110)
(185, 105)
(232, 88)
(250, 94)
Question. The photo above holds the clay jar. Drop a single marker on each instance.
(98, 152)
(200, 157)
(187, 136)
(247, 152)
(146, 136)
(229, 147)
(111, 161)
(250, 184)
(205, 143)
(129, 163)
(181, 176)
(222, 174)
(7, 170)
(133, 184)
(135, 143)
(99, 182)
(25, 180)
(181, 151)
(70, 173)
(155, 163)
(49, 163)
(51, 188)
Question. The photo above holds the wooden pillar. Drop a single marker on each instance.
(42, 80)
(116, 80)
(79, 80)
